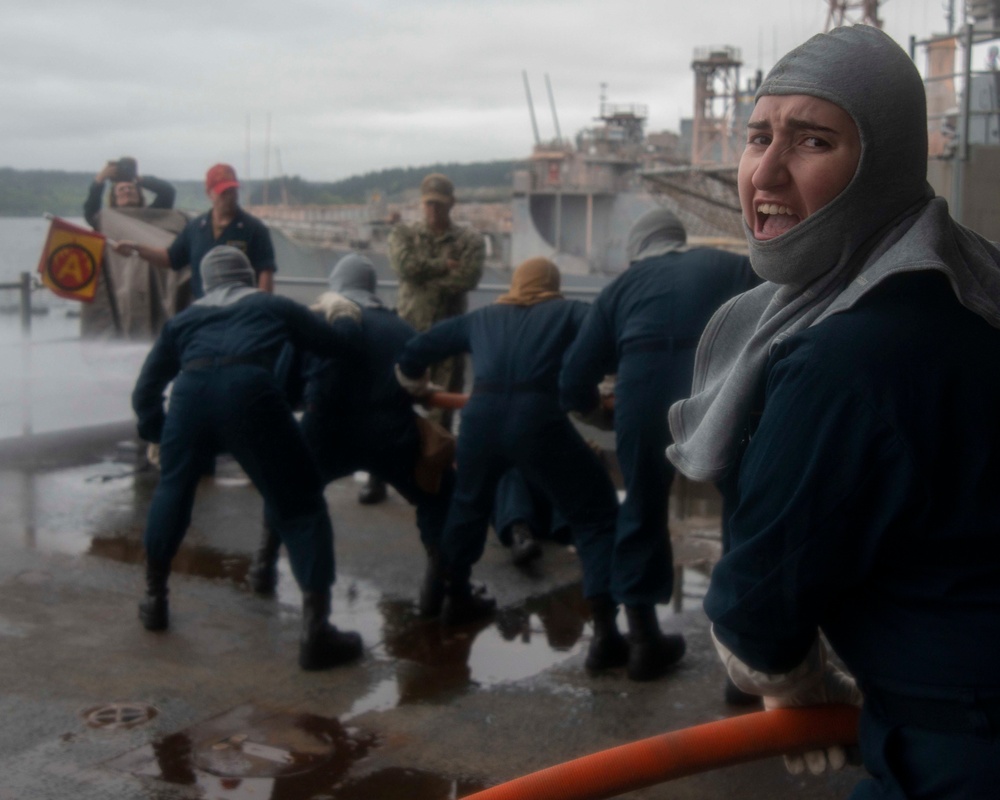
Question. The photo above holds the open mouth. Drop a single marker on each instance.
(774, 219)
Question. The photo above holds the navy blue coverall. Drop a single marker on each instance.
(225, 398)
(513, 418)
(868, 506)
(358, 417)
(645, 326)
(518, 500)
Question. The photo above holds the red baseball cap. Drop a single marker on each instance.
(219, 178)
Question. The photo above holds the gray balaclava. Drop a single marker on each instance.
(226, 275)
(656, 232)
(868, 75)
(885, 221)
(354, 277)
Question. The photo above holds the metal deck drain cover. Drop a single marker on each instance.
(119, 715)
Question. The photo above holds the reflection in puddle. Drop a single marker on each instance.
(197, 560)
(435, 664)
(56, 511)
(253, 753)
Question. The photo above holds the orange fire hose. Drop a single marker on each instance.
(451, 400)
(657, 759)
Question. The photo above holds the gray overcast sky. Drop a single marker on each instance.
(352, 86)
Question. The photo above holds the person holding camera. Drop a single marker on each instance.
(126, 189)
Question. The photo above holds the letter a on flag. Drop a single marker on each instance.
(71, 260)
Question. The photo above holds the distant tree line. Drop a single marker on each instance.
(392, 184)
(25, 193)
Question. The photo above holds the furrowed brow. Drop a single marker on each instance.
(793, 122)
(809, 125)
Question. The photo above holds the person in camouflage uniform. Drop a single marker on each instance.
(438, 263)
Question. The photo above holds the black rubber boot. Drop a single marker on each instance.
(524, 548)
(463, 605)
(433, 588)
(372, 492)
(263, 575)
(608, 648)
(154, 611)
(322, 646)
(651, 652)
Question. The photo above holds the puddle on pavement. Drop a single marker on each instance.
(59, 510)
(251, 752)
(435, 663)
(197, 560)
(432, 664)
(56, 510)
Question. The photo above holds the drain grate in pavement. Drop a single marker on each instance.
(119, 715)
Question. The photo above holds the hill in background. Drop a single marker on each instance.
(26, 193)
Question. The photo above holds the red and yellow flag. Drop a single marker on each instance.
(71, 260)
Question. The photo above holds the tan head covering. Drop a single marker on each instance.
(535, 281)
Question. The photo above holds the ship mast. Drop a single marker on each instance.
(852, 12)
(716, 96)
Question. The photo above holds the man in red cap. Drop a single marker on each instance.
(225, 224)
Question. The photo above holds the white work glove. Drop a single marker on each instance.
(600, 416)
(333, 305)
(418, 387)
(606, 388)
(814, 682)
(153, 454)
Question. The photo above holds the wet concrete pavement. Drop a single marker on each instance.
(93, 706)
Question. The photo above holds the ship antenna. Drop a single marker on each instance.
(552, 103)
(531, 107)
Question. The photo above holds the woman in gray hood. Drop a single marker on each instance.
(850, 409)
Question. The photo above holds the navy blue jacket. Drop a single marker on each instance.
(360, 398)
(257, 326)
(514, 348)
(868, 499)
(659, 304)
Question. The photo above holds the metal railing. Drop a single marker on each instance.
(587, 292)
(970, 36)
(24, 286)
(28, 283)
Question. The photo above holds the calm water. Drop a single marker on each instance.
(21, 242)
(53, 380)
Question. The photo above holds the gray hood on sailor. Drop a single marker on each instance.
(226, 275)
(354, 277)
(225, 264)
(656, 232)
(890, 180)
